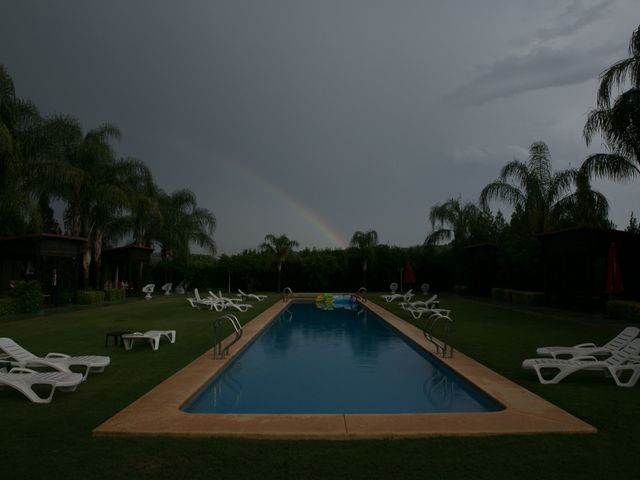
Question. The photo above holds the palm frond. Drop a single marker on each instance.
(609, 165)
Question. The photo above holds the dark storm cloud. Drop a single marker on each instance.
(577, 15)
(544, 67)
(285, 114)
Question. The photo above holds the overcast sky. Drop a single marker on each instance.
(319, 118)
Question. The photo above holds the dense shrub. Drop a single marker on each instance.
(527, 298)
(87, 297)
(114, 294)
(461, 289)
(501, 294)
(28, 297)
(7, 306)
(517, 296)
(622, 309)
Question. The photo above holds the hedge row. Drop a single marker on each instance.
(114, 294)
(90, 297)
(623, 309)
(517, 296)
(7, 306)
(461, 289)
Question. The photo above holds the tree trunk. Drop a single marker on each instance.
(279, 274)
(97, 259)
(86, 264)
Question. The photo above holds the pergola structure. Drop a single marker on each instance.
(575, 265)
(125, 264)
(34, 256)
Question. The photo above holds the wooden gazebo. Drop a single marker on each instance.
(34, 256)
(575, 265)
(126, 264)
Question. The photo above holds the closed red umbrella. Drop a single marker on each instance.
(408, 277)
(614, 276)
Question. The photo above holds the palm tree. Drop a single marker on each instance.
(464, 224)
(366, 243)
(183, 223)
(535, 190)
(279, 248)
(22, 149)
(88, 182)
(618, 122)
(584, 207)
(143, 206)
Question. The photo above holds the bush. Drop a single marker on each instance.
(527, 298)
(7, 306)
(89, 297)
(28, 297)
(114, 294)
(623, 309)
(461, 289)
(517, 296)
(501, 294)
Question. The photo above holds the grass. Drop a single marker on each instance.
(54, 441)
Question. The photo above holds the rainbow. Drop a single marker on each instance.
(317, 222)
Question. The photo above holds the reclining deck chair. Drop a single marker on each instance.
(23, 380)
(619, 341)
(251, 295)
(623, 361)
(152, 336)
(19, 357)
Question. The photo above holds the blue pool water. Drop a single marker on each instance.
(316, 361)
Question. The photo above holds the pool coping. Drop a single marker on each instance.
(157, 413)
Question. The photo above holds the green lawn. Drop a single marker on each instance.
(54, 441)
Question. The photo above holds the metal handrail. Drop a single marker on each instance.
(443, 347)
(218, 351)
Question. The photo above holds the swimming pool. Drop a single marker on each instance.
(314, 361)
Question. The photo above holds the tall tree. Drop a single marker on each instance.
(617, 121)
(144, 211)
(183, 222)
(461, 223)
(279, 248)
(584, 207)
(90, 185)
(366, 243)
(531, 186)
(21, 151)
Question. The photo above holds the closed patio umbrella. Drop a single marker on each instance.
(614, 276)
(408, 277)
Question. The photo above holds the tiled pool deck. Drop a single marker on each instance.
(157, 413)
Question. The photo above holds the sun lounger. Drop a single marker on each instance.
(621, 364)
(404, 296)
(251, 295)
(23, 380)
(152, 336)
(619, 341)
(19, 357)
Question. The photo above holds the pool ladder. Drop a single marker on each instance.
(444, 324)
(218, 351)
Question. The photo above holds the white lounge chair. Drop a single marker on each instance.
(618, 365)
(619, 341)
(152, 336)
(210, 303)
(429, 303)
(226, 302)
(406, 297)
(166, 288)
(418, 312)
(19, 357)
(148, 289)
(23, 380)
(251, 295)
